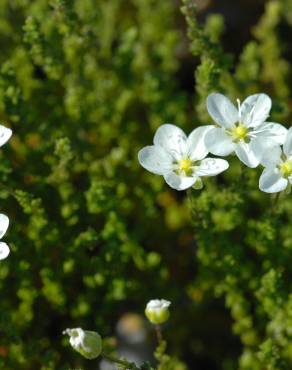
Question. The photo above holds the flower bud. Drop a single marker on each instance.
(157, 311)
(87, 343)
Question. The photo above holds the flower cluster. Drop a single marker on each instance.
(242, 130)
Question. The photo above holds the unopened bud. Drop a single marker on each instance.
(87, 343)
(157, 311)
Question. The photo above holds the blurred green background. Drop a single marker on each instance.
(84, 84)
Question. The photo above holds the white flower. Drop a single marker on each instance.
(4, 249)
(87, 343)
(180, 159)
(277, 174)
(157, 311)
(243, 130)
(5, 134)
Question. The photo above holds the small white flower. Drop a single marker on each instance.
(87, 343)
(157, 311)
(4, 249)
(5, 134)
(277, 174)
(243, 130)
(181, 160)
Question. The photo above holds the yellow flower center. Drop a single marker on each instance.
(239, 132)
(185, 165)
(286, 168)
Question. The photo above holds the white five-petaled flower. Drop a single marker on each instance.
(181, 160)
(277, 174)
(4, 249)
(243, 130)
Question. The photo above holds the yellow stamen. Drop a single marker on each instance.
(185, 165)
(239, 132)
(286, 168)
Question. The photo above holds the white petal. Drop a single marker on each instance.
(196, 142)
(5, 134)
(288, 143)
(255, 109)
(222, 110)
(4, 250)
(4, 223)
(271, 181)
(172, 139)
(270, 130)
(155, 159)
(218, 142)
(212, 167)
(179, 182)
(246, 153)
(268, 152)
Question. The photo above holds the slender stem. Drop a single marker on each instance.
(277, 197)
(242, 179)
(158, 333)
(275, 201)
(191, 203)
(190, 199)
(126, 364)
(160, 355)
(242, 171)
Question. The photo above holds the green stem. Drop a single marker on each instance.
(275, 201)
(195, 213)
(191, 203)
(242, 179)
(128, 365)
(242, 173)
(189, 194)
(159, 353)
(158, 333)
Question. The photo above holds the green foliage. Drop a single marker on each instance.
(243, 241)
(84, 86)
(166, 362)
(205, 44)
